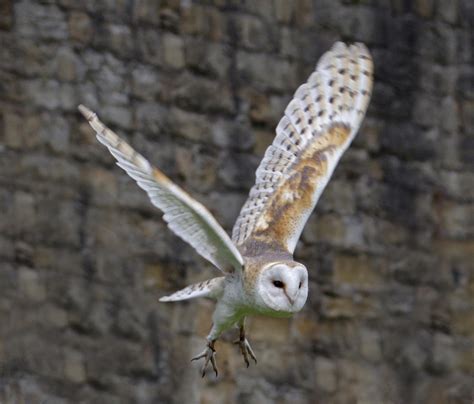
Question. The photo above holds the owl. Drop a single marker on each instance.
(259, 274)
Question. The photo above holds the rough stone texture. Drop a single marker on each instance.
(198, 87)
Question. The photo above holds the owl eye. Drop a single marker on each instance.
(278, 284)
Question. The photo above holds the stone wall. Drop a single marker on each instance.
(198, 87)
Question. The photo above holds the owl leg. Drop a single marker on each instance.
(209, 355)
(244, 345)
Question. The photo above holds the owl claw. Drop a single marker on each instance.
(245, 348)
(209, 355)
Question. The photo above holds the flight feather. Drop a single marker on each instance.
(319, 124)
(186, 217)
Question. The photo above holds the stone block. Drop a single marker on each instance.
(70, 67)
(150, 117)
(326, 374)
(56, 137)
(283, 11)
(31, 285)
(326, 228)
(258, 106)
(448, 10)
(450, 112)
(147, 11)
(457, 220)
(370, 344)
(425, 111)
(263, 139)
(59, 221)
(49, 94)
(447, 50)
(7, 250)
(226, 207)
(359, 272)
(119, 39)
(338, 307)
(198, 170)
(443, 356)
(80, 27)
(458, 185)
(269, 329)
(24, 213)
(231, 172)
(462, 322)
(6, 14)
(204, 21)
(200, 94)
(419, 177)
(253, 33)
(338, 197)
(265, 72)
(55, 316)
(117, 115)
(130, 323)
(189, 125)
(207, 58)
(402, 300)
(467, 360)
(304, 11)
(102, 185)
(232, 134)
(110, 77)
(173, 51)
(43, 21)
(19, 131)
(146, 83)
(74, 366)
(467, 115)
(424, 8)
(149, 46)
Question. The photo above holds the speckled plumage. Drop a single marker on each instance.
(260, 275)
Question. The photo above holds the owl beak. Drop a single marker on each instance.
(292, 301)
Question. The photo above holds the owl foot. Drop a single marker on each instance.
(209, 355)
(245, 347)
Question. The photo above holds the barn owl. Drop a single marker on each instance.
(260, 275)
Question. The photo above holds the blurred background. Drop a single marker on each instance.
(198, 87)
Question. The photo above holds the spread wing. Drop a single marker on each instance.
(211, 288)
(319, 124)
(185, 216)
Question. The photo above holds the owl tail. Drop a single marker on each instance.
(211, 288)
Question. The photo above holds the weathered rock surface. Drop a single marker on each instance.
(198, 87)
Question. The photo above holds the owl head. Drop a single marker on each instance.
(282, 287)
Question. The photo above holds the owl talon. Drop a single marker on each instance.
(246, 350)
(245, 347)
(209, 355)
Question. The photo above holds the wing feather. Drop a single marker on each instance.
(319, 124)
(212, 288)
(186, 217)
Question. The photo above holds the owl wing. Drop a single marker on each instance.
(186, 217)
(319, 124)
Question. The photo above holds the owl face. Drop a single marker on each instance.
(283, 287)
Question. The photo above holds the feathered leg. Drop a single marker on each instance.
(244, 345)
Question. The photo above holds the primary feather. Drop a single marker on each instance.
(186, 217)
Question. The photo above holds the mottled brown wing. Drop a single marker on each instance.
(319, 124)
